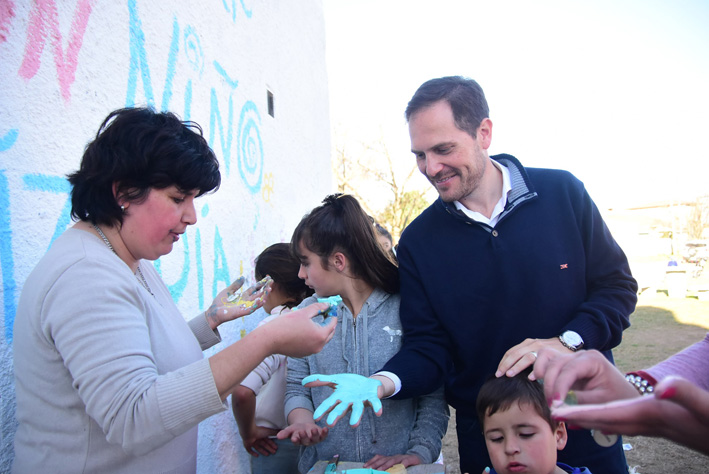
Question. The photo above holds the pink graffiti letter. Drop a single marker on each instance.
(6, 13)
(44, 19)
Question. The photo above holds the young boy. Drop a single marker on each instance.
(519, 432)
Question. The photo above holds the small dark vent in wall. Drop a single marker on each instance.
(269, 98)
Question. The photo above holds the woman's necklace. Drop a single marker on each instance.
(138, 273)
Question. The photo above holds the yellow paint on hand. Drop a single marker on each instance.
(397, 469)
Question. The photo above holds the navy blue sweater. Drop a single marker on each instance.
(470, 292)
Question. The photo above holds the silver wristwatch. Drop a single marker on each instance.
(571, 340)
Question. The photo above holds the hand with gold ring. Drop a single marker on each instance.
(524, 355)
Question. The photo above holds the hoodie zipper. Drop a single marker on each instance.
(358, 445)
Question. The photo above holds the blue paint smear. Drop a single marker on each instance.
(9, 139)
(221, 268)
(188, 100)
(246, 10)
(215, 120)
(232, 10)
(177, 289)
(171, 61)
(233, 83)
(246, 124)
(193, 50)
(7, 263)
(56, 185)
(138, 59)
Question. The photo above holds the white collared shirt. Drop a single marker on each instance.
(499, 207)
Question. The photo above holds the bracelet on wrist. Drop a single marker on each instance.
(641, 384)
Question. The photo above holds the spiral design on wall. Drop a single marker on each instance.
(193, 50)
(250, 147)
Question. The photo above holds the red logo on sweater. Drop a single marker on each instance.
(564, 266)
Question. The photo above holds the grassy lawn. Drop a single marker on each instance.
(660, 327)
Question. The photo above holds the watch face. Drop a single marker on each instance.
(572, 338)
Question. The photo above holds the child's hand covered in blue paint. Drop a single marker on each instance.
(333, 301)
(351, 391)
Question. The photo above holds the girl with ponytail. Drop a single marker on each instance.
(340, 255)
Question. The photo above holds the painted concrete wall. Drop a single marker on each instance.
(64, 65)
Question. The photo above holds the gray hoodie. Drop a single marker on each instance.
(362, 346)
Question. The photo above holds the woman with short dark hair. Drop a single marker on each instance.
(109, 376)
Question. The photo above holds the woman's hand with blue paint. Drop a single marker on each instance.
(295, 334)
(352, 392)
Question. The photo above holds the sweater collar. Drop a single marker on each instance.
(521, 191)
(376, 299)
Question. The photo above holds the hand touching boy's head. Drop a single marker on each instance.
(519, 432)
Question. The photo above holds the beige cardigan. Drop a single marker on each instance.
(108, 378)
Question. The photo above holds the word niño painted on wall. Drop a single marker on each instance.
(43, 26)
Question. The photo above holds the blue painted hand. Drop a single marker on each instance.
(351, 391)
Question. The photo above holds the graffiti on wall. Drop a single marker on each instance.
(231, 8)
(242, 145)
(44, 26)
(7, 12)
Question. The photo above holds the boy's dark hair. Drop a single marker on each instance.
(138, 149)
(278, 262)
(464, 95)
(499, 393)
(341, 225)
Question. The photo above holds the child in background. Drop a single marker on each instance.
(385, 239)
(520, 434)
(340, 255)
(258, 402)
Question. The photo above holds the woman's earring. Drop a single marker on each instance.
(123, 208)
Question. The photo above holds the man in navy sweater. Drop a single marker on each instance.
(508, 260)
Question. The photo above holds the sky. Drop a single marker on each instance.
(614, 91)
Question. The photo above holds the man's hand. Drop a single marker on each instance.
(351, 392)
(525, 353)
(592, 377)
(233, 302)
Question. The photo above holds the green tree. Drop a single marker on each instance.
(400, 212)
(385, 192)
